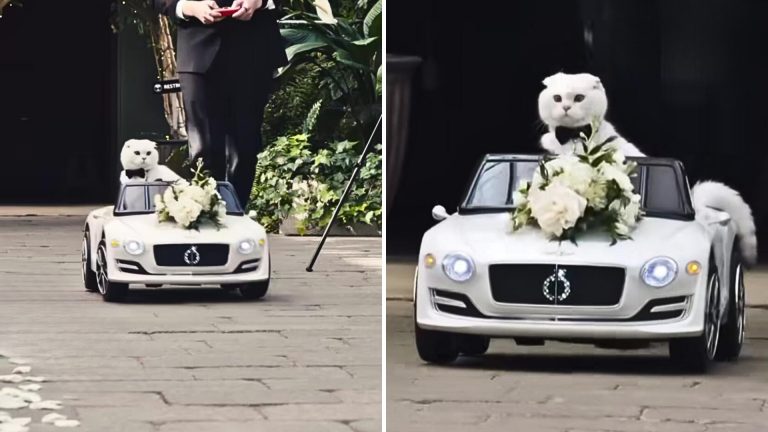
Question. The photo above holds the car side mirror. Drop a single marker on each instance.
(439, 213)
(719, 217)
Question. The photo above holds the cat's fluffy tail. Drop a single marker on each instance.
(719, 196)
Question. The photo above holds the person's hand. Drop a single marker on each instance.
(247, 8)
(204, 11)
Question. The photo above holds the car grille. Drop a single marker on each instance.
(552, 284)
(191, 255)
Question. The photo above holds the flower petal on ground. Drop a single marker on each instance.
(31, 387)
(21, 394)
(21, 421)
(66, 423)
(52, 417)
(11, 378)
(46, 405)
(13, 427)
(10, 402)
(35, 379)
(22, 370)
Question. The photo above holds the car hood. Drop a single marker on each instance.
(488, 238)
(147, 228)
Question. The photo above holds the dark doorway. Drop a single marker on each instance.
(683, 81)
(55, 110)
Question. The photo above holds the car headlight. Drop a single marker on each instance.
(246, 246)
(133, 247)
(458, 267)
(659, 272)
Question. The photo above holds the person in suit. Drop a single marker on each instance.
(226, 67)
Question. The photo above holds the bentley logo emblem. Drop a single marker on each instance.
(192, 256)
(557, 278)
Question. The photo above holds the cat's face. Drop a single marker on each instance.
(572, 100)
(138, 154)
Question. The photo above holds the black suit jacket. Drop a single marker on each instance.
(257, 42)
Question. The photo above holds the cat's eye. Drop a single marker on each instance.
(578, 98)
(149, 153)
(137, 153)
(557, 98)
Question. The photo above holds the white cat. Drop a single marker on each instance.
(140, 161)
(569, 104)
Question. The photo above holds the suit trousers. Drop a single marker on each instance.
(225, 111)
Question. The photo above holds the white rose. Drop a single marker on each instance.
(159, 204)
(571, 173)
(621, 229)
(618, 157)
(197, 194)
(556, 208)
(596, 195)
(629, 213)
(613, 172)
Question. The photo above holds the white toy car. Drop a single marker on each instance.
(680, 279)
(125, 244)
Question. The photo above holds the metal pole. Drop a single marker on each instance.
(358, 166)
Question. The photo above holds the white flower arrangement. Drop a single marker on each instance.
(586, 190)
(192, 204)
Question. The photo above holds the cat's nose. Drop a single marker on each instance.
(566, 108)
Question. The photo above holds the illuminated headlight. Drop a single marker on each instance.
(659, 272)
(246, 246)
(458, 267)
(133, 247)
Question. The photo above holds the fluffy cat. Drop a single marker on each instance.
(569, 104)
(140, 161)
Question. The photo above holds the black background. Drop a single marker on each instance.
(684, 78)
(56, 116)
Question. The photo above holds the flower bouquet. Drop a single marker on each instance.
(191, 204)
(589, 189)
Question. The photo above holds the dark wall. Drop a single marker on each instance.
(682, 77)
(55, 102)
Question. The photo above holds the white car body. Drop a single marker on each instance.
(642, 312)
(173, 255)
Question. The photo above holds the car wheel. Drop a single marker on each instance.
(254, 290)
(473, 345)
(435, 346)
(732, 331)
(110, 291)
(695, 354)
(89, 276)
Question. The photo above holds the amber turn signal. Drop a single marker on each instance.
(693, 268)
(429, 260)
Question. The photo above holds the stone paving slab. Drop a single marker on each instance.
(307, 358)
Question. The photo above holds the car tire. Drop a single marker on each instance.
(110, 291)
(253, 290)
(435, 346)
(89, 276)
(473, 345)
(732, 330)
(695, 354)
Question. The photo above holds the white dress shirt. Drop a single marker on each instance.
(180, 4)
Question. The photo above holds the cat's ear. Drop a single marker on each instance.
(548, 81)
(596, 83)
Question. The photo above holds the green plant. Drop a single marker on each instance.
(348, 57)
(294, 180)
(282, 162)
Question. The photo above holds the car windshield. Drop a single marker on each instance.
(661, 184)
(139, 198)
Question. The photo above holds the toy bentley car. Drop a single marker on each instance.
(678, 280)
(125, 244)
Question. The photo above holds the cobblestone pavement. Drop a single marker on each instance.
(307, 358)
(565, 387)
